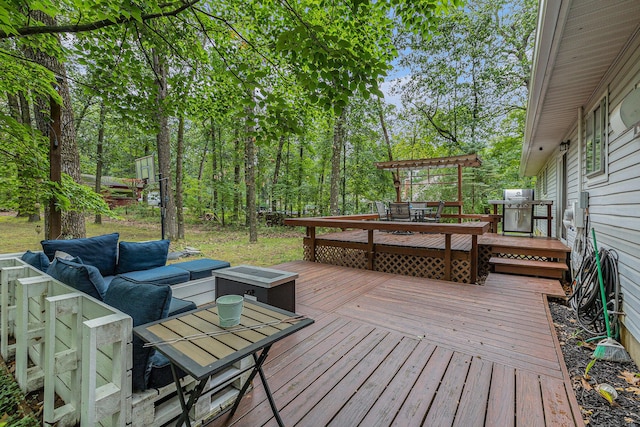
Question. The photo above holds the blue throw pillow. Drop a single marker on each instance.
(99, 251)
(85, 278)
(36, 259)
(144, 303)
(137, 256)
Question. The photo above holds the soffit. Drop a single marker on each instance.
(577, 43)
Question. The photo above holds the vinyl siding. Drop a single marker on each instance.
(614, 203)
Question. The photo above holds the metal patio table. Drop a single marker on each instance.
(194, 342)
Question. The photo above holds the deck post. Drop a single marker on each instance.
(311, 232)
(474, 259)
(447, 257)
(370, 249)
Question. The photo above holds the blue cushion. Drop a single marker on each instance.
(199, 268)
(85, 278)
(36, 259)
(178, 306)
(144, 303)
(161, 374)
(99, 251)
(134, 256)
(166, 275)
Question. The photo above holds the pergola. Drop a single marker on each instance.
(468, 160)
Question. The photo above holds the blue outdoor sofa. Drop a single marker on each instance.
(130, 276)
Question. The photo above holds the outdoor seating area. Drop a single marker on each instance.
(69, 330)
(409, 211)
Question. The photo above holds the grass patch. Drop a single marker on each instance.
(275, 244)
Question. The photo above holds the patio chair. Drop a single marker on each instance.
(383, 212)
(436, 217)
(420, 210)
(400, 211)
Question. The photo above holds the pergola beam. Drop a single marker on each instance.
(468, 160)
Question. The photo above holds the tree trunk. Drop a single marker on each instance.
(300, 161)
(276, 173)
(396, 177)
(336, 151)
(99, 160)
(179, 156)
(203, 160)
(236, 176)
(221, 177)
(250, 181)
(214, 169)
(73, 224)
(164, 147)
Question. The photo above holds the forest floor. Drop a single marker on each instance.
(624, 377)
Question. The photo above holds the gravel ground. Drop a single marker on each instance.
(596, 410)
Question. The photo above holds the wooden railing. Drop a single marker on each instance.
(367, 222)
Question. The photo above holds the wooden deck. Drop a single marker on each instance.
(453, 257)
(396, 350)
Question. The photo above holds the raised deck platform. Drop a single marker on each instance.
(397, 350)
(425, 254)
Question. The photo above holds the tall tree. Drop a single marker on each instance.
(163, 146)
(179, 177)
(336, 151)
(99, 158)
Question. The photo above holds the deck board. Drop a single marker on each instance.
(395, 350)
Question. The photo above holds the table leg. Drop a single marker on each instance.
(270, 397)
(186, 406)
(257, 369)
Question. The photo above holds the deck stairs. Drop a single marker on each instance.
(527, 256)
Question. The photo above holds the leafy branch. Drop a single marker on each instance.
(91, 26)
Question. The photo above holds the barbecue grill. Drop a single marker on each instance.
(517, 213)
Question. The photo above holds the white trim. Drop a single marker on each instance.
(551, 22)
(597, 179)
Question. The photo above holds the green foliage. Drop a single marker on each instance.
(74, 197)
(287, 68)
(11, 403)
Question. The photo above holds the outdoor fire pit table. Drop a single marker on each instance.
(273, 287)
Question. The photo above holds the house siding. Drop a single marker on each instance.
(614, 202)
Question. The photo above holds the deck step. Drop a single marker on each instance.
(526, 267)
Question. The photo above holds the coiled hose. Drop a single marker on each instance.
(585, 297)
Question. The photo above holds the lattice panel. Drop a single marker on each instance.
(344, 257)
(484, 254)
(460, 271)
(306, 253)
(407, 265)
(410, 265)
(525, 257)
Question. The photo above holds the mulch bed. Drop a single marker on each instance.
(596, 410)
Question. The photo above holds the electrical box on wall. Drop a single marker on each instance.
(584, 200)
(578, 215)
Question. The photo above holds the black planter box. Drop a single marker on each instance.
(273, 287)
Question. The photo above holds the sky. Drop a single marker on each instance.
(386, 86)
